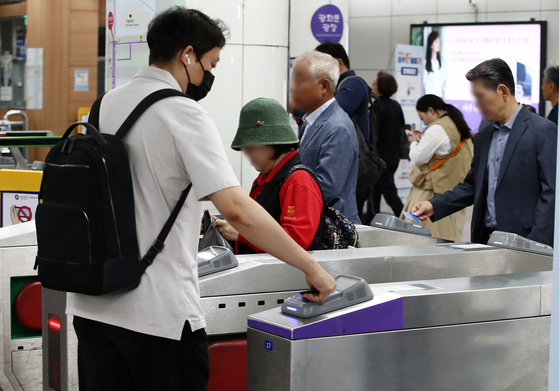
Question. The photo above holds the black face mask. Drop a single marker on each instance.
(199, 92)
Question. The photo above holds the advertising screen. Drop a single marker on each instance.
(452, 50)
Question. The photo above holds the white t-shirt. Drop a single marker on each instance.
(434, 141)
(433, 82)
(172, 144)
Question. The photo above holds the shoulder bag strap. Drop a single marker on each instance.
(440, 162)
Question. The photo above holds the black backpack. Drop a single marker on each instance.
(86, 228)
(338, 232)
(371, 166)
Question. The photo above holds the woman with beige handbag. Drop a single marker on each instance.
(442, 154)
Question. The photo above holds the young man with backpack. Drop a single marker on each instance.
(152, 337)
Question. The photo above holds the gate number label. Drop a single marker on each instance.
(268, 346)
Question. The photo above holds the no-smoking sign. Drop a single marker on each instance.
(17, 207)
(24, 214)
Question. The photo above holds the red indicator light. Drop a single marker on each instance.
(53, 324)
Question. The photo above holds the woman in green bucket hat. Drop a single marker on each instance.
(285, 188)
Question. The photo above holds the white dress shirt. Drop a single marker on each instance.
(434, 141)
(309, 119)
(174, 143)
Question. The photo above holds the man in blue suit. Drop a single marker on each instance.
(512, 179)
(329, 143)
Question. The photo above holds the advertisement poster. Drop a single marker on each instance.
(18, 207)
(409, 75)
(6, 82)
(34, 78)
(449, 52)
(81, 80)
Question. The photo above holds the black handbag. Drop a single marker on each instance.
(211, 236)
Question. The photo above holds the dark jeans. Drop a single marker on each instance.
(387, 188)
(111, 358)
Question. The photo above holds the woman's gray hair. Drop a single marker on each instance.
(551, 73)
(322, 67)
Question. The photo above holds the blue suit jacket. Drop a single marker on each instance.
(525, 195)
(330, 148)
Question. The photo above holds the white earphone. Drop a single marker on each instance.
(187, 59)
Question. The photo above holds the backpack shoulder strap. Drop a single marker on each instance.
(144, 105)
(94, 112)
(159, 243)
(339, 86)
(302, 167)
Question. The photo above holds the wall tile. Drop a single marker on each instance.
(373, 47)
(549, 5)
(460, 6)
(224, 102)
(414, 7)
(364, 8)
(230, 11)
(512, 5)
(265, 21)
(458, 18)
(524, 16)
(261, 65)
(552, 18)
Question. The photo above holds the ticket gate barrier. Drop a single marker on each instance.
(21, 351)
(471, 333)
(261, 282)
(23, 356)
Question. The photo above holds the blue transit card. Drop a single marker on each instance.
(412, 217)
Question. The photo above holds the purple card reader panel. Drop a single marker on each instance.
(388, 315)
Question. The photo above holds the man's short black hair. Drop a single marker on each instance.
(174, 29)
(551, 73)
(493, 72)
(386, 84)
(280, 149)
(336, 50)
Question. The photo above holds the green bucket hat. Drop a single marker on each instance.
(263, 121)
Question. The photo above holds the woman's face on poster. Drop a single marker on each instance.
(436, 45)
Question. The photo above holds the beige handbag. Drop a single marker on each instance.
(417, 177)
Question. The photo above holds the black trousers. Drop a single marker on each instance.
(365, 207)
(387, 188)
(485, 234)
(112, 358)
